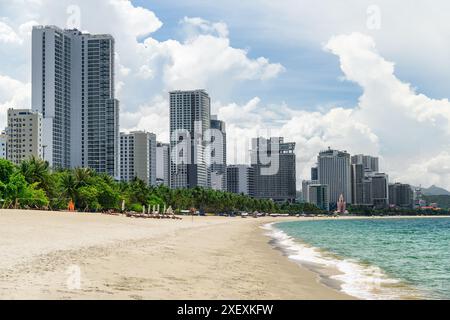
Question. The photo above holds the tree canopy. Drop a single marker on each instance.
(33, 184)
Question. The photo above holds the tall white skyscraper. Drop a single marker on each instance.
(24, 133)
(335, 172)
(190, 120)
(73, 88)
(138, 157)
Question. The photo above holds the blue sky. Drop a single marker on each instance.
(311, 78)
(352, 75)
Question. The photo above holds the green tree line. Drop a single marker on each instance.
(33, 184)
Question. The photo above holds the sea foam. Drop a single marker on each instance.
(356, 279)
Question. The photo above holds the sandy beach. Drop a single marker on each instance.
(45, 255)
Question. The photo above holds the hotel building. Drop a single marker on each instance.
(335, 171)
(380, 190)
(138, 157)
(401, 195)
(73, 89)
(274, 162)
(190, 120)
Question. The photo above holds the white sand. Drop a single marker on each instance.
(124, 258)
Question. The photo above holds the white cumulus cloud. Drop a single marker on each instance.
(408, 130)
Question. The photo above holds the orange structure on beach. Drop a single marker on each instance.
(71, 206)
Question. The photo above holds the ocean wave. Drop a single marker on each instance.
(366, 282)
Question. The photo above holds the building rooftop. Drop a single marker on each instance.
(73, 31)
(332, 152)
(188, 91)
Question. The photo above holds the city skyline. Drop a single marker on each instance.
(56, 54)
(251, 152)
(313, 127)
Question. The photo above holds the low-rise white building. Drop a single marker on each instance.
(24, 135)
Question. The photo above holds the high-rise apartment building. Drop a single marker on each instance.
(73, 89)
(370, 164)
(241, 180)
(190, 121)
(335, 172)
(138, 157)
(24, 133)
(163, 164)
(314, 173)
(401, 195)
(358, 175)
(274, 162)
(367, 191)
(305, 189)
(380, 190)
(218, 160)
(318, 195)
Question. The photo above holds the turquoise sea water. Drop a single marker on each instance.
(375, 258)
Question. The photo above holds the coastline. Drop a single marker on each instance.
(123, 258)
(358, 279)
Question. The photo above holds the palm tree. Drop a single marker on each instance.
(68, 185)
(139, 191)
(82, 176)
(37, 171)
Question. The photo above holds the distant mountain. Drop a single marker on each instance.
(435, 191)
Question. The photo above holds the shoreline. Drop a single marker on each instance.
(328, 265)
(121, 258)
